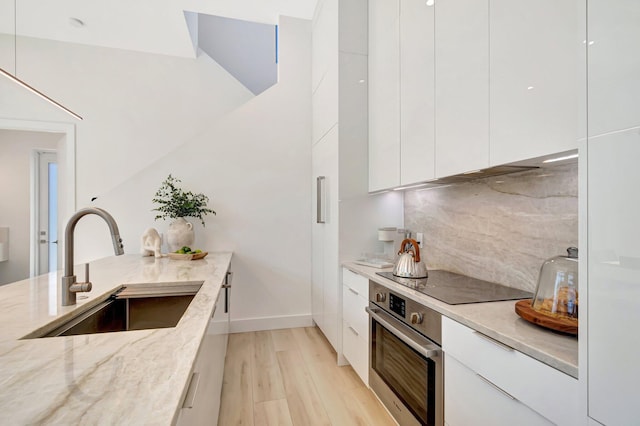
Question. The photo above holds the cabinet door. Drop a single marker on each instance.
(614, 65)
(356, 350)
(208, 370)
(462, 86)
(384, 94)
(613, 277)
(534, 49)
(325, 266)
(417, 91)
(471, 399)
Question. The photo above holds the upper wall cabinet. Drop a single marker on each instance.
(417, 74)
(614, 65)
(534, 48)
(401, 93)
(462, 86)
(384, 94)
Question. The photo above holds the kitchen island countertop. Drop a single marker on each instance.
(132, 377)
(497, 320)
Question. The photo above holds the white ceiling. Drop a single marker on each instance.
(155, 26)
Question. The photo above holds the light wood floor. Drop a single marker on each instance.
(290, 377)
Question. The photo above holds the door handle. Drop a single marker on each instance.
(427, 350)
(320, 199)
(191, 391)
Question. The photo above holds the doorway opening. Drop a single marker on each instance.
(18, 211)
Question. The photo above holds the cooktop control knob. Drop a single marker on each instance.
(416, 318)
(381, 297)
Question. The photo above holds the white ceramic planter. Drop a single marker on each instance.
(180, 234)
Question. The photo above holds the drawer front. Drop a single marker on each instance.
(546, 390)
(356, 350)
(472, 400)
(353, 311)
(357, 283)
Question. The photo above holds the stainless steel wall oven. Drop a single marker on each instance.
(406, 360)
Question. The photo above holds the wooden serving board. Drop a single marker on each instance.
(563, 325)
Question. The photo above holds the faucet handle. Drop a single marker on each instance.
(86, 285)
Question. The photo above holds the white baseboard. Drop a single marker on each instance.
(270, 323)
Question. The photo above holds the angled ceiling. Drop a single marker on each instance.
(154, 26)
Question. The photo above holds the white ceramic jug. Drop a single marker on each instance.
(180, 234)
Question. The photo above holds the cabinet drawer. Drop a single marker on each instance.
(353, 311)
(546, 390)
(357, 283)
(472, 400)
(355, 349)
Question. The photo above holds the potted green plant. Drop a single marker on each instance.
(175, 203)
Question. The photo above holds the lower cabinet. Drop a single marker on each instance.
(201, 405)
(355, 322)
(489, 383)
(471, 399)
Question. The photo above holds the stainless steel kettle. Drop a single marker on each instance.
(408, 264)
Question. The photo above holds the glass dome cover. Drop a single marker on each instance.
(557, 291)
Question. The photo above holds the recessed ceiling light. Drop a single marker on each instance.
(75, 22)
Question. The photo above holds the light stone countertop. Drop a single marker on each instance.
(133, 377)
(497, 320)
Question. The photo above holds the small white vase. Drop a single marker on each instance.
(180, 234)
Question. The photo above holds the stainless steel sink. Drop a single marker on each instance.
(133, 307)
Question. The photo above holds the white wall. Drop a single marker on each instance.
(16, 148)
(254, 164)
(148, 115)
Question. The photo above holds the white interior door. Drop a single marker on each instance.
(47, 212)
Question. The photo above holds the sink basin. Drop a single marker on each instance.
(133, 307)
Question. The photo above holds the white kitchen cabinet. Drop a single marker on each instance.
(417, 87)
(340, 156)
(613, 339)
(350, 216)
(401, 93)
(611, 208)
(614, 65)
(384, 94)
(534, 51)
(470, 399)
(462, 86)
(325, 271)
(355, 322)
(538, 394)
(201, 405)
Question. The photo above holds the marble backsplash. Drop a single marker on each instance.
(499, 229)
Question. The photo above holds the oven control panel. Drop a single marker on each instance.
(397, 305)
(416, 315)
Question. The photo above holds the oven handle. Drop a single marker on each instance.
(427, 350)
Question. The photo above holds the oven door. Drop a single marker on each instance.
(406, 371)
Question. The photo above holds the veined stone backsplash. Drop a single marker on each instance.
(499, 229)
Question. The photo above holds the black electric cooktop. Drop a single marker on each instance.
(456, 289)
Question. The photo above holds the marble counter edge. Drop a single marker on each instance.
(457, 312)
